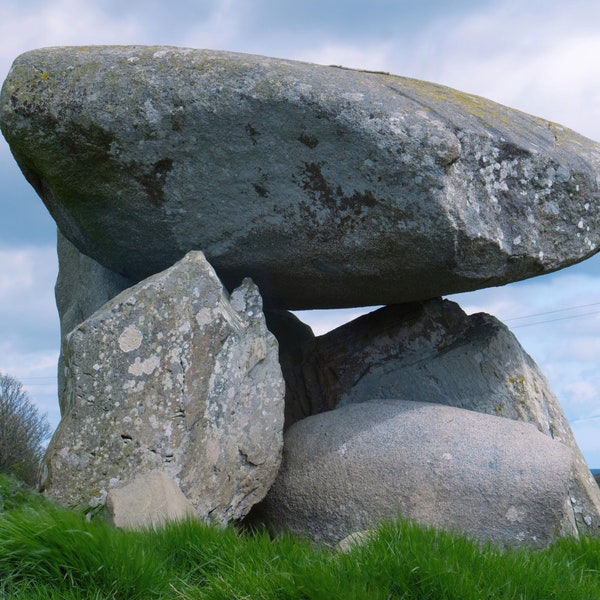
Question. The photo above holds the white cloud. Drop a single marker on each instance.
(27, 277)
(372, 56)
(586, 433)
(26, 25)
(36, 370)
(579, 346)
(539, 58)
(16, 272)
(222, 30)
(557, 291)
(583, 393)
(29, 342)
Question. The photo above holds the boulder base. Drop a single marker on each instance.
(494, 479)
(432, 351)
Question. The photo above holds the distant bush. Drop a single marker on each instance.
(23, 431)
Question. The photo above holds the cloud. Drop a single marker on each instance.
(224, 28)
(586, 433)
(28, 321)
(28, 25)
(539, 57)
(28, 317)
(14, 277)
(370, 56)
(25, 220)
(36, 370)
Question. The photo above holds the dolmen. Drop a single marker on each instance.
(201, 196)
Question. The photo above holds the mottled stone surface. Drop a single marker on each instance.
(433, 352)
(150, 500)
(329, 187)
(346, 470)
(82, 287)
(176, 376)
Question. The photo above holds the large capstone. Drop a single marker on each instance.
(172, 375)
(329, 187)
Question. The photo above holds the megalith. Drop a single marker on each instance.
(322, 187)
(491, 478)
(431, 351)
(82, 287)
(172, 375)
(330, 187)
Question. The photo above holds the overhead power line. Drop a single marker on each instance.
(585, 419)
(596, 312)
(551, 312)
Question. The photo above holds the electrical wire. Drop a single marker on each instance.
(590, 418)
(550, 312)
(552, 320)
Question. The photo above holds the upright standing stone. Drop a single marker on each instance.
(176, 376)
(82, 287)
(433, 352)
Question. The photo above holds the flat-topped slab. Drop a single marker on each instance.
(329, 187)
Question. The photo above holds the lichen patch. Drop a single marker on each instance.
(130, 339)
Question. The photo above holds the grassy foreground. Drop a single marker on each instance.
(47, 552)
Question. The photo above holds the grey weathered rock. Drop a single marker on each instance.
(82, 287)
(172, 375)
(347, 470)
(352, 541)
(291, 334)
(433, 352)
(329, 187)
(149, 500)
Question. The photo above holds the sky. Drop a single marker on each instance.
(537, 56)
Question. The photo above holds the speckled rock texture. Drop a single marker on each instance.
(82, 287)
(433, 352)
(489, 477)
(329, 187)
(176, 376)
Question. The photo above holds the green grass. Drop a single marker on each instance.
(47, 552)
